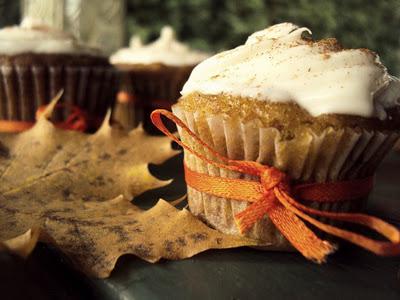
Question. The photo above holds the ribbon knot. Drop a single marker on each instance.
(271, 177)
(270, 197)
(271, 180)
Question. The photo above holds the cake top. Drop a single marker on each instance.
(33, 36)
(282, 64)
(165, 50)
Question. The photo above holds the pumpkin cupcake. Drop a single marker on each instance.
(152, 75)
(316, 111)
(37, 61)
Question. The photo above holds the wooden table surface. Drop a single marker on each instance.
(243, 273)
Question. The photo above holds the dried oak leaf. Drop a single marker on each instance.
(72, 190)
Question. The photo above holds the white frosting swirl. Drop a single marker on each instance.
(165, 50)
(277, 64)
(36, 37)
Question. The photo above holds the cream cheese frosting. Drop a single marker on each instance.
(165, 50)
(35, 37)
(280, 64)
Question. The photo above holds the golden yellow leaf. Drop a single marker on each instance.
(73, 190)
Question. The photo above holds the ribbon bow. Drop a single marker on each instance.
(76, 120)
(272, 196)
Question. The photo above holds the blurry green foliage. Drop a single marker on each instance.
(9, 12)
(222, 24)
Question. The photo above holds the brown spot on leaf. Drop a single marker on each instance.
(7, 209)
(122, 152)
(219, 240)
(169, 246)
(98, 181)
(131, 222)
(120, 232)
(143, 251)
(181, 241)
(105, 156)
(85, 246)
(137, 230)
(55, 216)
(86, 198)
(198, 236)
(66, 193)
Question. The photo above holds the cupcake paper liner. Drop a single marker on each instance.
(23, 89)
(329, 156)
(165, 83)
(149, 86)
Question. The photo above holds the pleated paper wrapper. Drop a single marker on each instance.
(149, 86)
(328, 156)
(23, 89)
(154, 84)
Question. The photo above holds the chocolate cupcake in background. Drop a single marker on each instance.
(36, 62)
(312, 109)
(151, 76)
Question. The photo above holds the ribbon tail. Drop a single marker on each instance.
(253, 213)
(383, 248)
(299, 235)
(293, 228)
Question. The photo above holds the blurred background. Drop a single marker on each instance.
(215, 25)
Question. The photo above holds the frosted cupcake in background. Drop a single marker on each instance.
(36, 62)
(312, 109)
(152, 75)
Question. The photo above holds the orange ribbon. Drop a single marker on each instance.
(76, 120)
(15, 126)
(271, 196)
